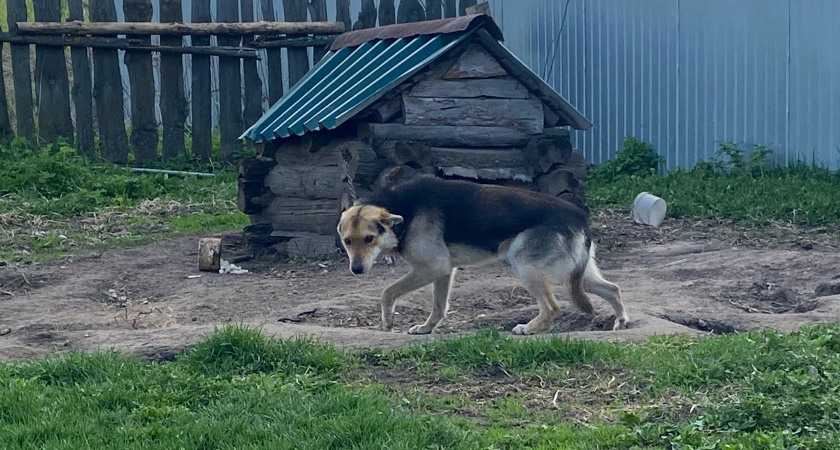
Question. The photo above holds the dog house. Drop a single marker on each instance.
(440, 97)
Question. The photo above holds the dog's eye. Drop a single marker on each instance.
(368, 239)
(347, 241)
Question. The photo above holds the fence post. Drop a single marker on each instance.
(295, 11)
(317, 13)
(410, 11)
(464, 4)
(144, 129)
(52, 83)
(202, 107)
(6, 131)
(21, 73)
(274, 61)
(81, 89)
(253, 84)
(367, 17)
(108, 91)
(173, 104)
(450, 8)
(342, 13)
(387, 13)
(433, 9)
(230, 85)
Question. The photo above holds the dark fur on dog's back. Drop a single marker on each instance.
(479, 215)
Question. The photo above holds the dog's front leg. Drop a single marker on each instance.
(417, 278)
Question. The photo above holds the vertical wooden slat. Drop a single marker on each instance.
(342, 13)
(53, 85)
(367, 16)
(317, 13)
(173, 105)
(434, 9)
(81, 91)
(108, 91)
(253, 84)
(464, 4)
(230, 85)
(6, 131)
(450, 8)
(410, 11)
(295, 11)
(202, 108)
(387, 13)
(21, 73)
(144, 130)
(274, 61)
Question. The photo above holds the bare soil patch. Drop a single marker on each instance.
(683, 278)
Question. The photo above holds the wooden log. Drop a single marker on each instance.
(251, 77)
(300, 214)
(209, 254)
(463, 5)
(558, 181)
(475, 62)
(387, 13)
(551, 118)
(80, 91)
(367, 16)
(259, 236)
(144, 129)
(478, 158)
(342, 13)
(525, 115)
(51, 82)
(255, 169)
(490, 174)
(443, 135)
(21, 73)
(481, 8)
(112, 28)
(577, 164)
(385, 110)
(410, 11)
(361, 163)
(450, 8)
(305, 181)
(413, 153)
(317, 13)
(309, 244)
(434, 9)
(252, 194)
(396, 175)
(291, 42)
(545, 151)
(108, 91)
(274, 60)
(129, 45)
(230, 94)
(173, 110)
(472, 88)
(200, 96)
(6, 130)
(295, 11)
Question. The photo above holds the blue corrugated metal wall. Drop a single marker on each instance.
(687, 74)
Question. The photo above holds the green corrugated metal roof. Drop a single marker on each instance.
(347, 80)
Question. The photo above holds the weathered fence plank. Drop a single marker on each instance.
(202, 108)
(295, 11)
(230, 93)
(81, 89)
(387, 13)
(342, 13)
(317, 13)
(463, 5)
(21, 73)
(434, 9)
(367, 16)
(410, 11)
(274, 61)
(6, 131)
(173, 108)
(144, 130)
(108, 91)
(52, 83)
(253, 84)
(450, 8)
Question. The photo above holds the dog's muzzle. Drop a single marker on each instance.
(357, 267)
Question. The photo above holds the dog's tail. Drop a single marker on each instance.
(583, 254)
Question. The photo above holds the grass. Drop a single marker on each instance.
(54, 203)
(759, 390)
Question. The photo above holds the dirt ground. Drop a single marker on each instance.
(683, 278)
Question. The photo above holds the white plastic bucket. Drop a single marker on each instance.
(649, 209)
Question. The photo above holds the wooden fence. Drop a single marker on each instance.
(73, 89)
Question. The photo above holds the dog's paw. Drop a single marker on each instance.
(521, 329)
(420, 329)
(620, 323)
(386, 326)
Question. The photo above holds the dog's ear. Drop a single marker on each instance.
(392, 220)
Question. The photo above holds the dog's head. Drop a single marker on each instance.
(365, 232)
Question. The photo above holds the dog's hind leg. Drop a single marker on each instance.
(443, 287)
(539, 287)
(594, 282)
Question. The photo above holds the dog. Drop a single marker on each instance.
(439, 225)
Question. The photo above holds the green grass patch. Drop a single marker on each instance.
(759, 390)
(733, 185)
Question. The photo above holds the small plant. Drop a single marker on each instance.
(635, 159)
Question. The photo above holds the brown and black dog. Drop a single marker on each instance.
(439, 225)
